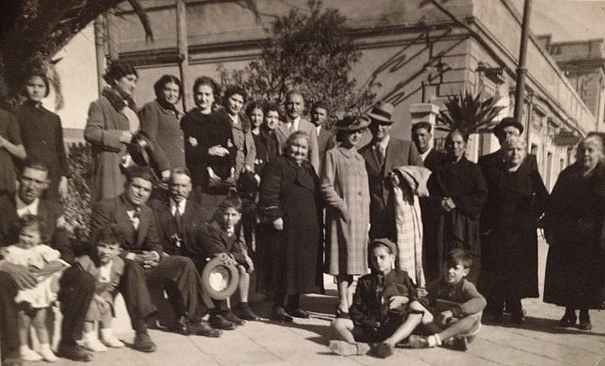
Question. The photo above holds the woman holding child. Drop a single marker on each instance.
(290, 209)
(509, 242)
(575, 268)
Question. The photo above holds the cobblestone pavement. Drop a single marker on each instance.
(304, 343)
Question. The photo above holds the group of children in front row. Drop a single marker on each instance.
(386, 308)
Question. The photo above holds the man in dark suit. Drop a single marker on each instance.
(325, 137)
(144, 258)
(181, 230)
(506, 128)
(422, 137)
(76, 286)
(383, 154)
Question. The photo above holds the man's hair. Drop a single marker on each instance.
(230, 202)
(159, 85)
(117, 70)
(143, 172)
(36, 164)
(33, 221)
(108, 234)
(458, 256)
(426, 125)
(180, 170)
(321, 105)
(292, 92)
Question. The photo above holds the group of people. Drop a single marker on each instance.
(421, 243)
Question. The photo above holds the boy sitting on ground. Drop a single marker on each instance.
(384, 310)
(456, 306)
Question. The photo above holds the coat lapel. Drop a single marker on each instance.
(145, 221)
(123, 220)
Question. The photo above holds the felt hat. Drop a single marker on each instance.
(382, 112)
(352, 123)
(507, 122)
(386, 242)
(219, 279)
(140, 149)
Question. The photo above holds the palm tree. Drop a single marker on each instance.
(469, 112)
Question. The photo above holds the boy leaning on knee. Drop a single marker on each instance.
(456, 306)
(385, 308)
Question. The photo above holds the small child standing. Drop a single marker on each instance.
(223, 237)
(34, 302)
(107, 268)
(456, 306)
(385, 308)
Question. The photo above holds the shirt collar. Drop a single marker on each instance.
(425, 154)
(384, 143)
(23, 208)
(181, 205)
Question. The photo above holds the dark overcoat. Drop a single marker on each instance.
(575, 267)
(459, 228)
(509, 241)
(290, 259)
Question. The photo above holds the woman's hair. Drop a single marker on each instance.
(235, 89)
(159, 85)
(252, 106)
(29, 220)
(295, 136)
(271, 107)
(456, 131)
(207, 80)
(458, 256)
(591, 138)
(108, 234)
(117, 70)
(41, 76)
(512, 141)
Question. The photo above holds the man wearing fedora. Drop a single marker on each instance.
(295, 106)
(383, 154)
(506, 128)
(144, 259)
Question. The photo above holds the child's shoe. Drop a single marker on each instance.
(46, 353)
(383, 349)
(459, 343)
(28, 354)
(344, 348)
(92, 343)
(229, 316)
(109, 340)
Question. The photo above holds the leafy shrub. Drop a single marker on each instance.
(77, 206)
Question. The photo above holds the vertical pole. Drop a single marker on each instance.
(112, 43)
(99, 26)
(182, 49)
(522, 69)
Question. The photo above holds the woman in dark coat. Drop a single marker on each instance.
(42, 135)
(209, 149)
(290, 208)
(575, 268)
(264, 140)
(160, 121)
(457, 186)
(509, 242)
(111, 123)
(10, 147)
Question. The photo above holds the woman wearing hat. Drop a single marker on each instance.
(344, 184)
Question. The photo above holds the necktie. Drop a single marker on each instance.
(178, 216)
(379, 155)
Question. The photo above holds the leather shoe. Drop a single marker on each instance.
(567, 321)
(143, 343)
(243, 311)
(73, 352)
(280, 315)
(518, 318)
(229, 316)
(299, 313)
(218, 322)
(203, 329)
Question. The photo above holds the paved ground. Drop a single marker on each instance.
(304, 343)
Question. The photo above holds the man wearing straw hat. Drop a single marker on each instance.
(383, 154)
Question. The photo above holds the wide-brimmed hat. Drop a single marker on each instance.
(382, 112)
(508, 122)
(352, 123)
(219, 279)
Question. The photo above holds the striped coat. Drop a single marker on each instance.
(344, 185)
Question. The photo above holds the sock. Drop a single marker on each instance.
(44, 347)
(106, 333)
(90, 336)
(434, 340)
(24, 348)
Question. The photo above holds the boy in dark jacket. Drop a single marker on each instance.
(456, 306)
(384, 310)
(222, 237)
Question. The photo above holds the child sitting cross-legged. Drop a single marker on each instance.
(107, 268)
(223, 237)
(456, 306)
(385, 309)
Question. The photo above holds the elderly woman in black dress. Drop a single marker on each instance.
(575, 268)
(509, 242)
(458, 187)
(160, 121)
(290, 207)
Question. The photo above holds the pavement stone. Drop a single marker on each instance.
(303, 343)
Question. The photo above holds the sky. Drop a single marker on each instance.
(567, 20)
